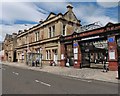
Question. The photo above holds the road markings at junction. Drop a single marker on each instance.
(15, 73)
(46, 84)
(37, 81)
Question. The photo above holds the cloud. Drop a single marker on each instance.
(102, 19)
(1, 38)
(39, 0)
(53, 6)
(108, 3)
(33, 12)
(9, 29)
(12, 11)
(91, 13)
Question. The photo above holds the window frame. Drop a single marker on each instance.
(64, 30)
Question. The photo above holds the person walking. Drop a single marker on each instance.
(105, 69)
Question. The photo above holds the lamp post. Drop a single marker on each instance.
(27, 42)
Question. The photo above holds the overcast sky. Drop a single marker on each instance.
(16, 14)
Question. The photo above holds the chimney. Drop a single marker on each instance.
(69, 7)
(20, 31)
(25, 30)
(41, 21)
(14, 35)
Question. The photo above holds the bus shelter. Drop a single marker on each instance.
(34, 59)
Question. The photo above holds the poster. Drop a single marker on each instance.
(75, 50)
(112, 55)
(62, 56)
(75, 56)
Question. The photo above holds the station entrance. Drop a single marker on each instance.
(94, 52)
(91, 48)
(69, 61)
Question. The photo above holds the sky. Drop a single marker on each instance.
(18, 15)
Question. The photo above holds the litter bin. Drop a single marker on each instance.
(119, 67)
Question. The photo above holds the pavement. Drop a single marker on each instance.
(84, 73)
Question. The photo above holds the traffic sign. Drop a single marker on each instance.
(75, 44)
(111, 39)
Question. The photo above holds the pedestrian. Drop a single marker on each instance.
(105, 69)
(67, 63)
(95, 61)
(37, 61)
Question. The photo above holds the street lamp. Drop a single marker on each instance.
(27, 42)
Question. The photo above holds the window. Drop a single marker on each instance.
(26, 40)
(64, 32)
(38, 50)
(52, 31)
(48, 54)
(36, 36)
(49, 32)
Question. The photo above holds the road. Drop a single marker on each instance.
(25, 81)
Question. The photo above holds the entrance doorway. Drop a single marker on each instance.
(55, 56)
(85, 55)
(69, 54)
(6, 56)
(93, 53)
(14, 56)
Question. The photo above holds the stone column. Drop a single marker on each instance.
(77, 54)
(62, 55)
(112, 53)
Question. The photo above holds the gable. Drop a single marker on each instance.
(7, 37)
(109, 24)
(69, 15)
(51, 15)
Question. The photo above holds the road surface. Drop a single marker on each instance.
(25, 81)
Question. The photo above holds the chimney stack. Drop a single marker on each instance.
(41, 21)
(14, 35)
(69, 7)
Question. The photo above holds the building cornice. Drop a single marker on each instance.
(56, 38)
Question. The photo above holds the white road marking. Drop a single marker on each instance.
(15, 73)
(37, 81)
(43, 83)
